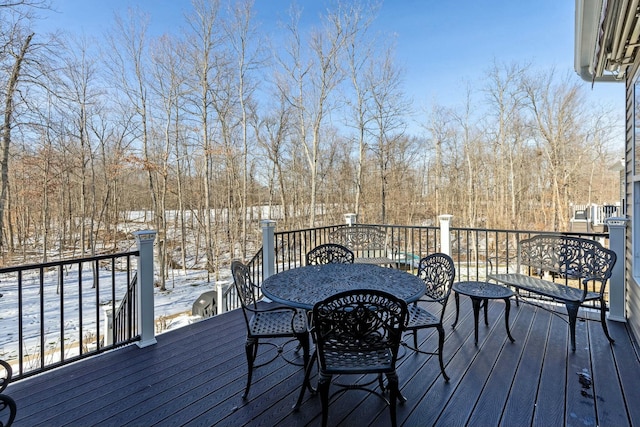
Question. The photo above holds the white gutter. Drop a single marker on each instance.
(588, 27)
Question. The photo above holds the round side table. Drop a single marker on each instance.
(480, 293)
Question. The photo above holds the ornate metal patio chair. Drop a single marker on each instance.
(357, 332)
(438, 272)
(264, 321)
(8, 408)
(330, 253)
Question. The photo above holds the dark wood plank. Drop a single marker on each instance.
(580, 408)
(490, 342)
(626, 354)
(164, 364)
(209, 374)
(490, 406)
(549, 408)
(520, 402)
(608, 396)
(430, 392)
(196, 376)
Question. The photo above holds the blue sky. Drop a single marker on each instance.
(443, 46)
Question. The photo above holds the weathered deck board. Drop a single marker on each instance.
(604, 371)
(196, 375)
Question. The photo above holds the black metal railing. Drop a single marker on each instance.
(58, 312)
(124, 320)
(475, 251)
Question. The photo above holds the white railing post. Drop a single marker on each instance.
(108, 325)
(268, 247)
(146, 321)
(617, 285)
(350, 219)
(219, 298)
(445, 235)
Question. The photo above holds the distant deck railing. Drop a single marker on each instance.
(474, 250)
(123, 325)
(471, 248)
(58, 312)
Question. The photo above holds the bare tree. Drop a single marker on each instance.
(7, 125)
(440, 131)
(168, 86)
(389, 107)
(16, 45)
(203, 39)
(272, 133)
(360, 52)
(506, 130)
(557, 112)
(127, 59)
(315, 78)
(248, 55)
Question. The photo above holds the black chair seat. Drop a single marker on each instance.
(277, 323)
(420, 318)
(353, 362)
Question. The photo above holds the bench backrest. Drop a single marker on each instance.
(571, 257)
(363, 240)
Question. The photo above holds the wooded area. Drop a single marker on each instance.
(220, 117)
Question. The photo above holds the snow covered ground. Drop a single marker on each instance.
(20, 311)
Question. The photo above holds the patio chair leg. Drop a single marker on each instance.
(251, 349)
(7, 403)
(323, 389)
(440, 348)
(303, 341)
(306, 383)
(603, 320)
(485, 303)
(394, 395)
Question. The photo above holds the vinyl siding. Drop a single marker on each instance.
(633, 288)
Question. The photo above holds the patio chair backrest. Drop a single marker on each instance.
(438, 272)
(360, 321)
(330, 253)
(246, 289)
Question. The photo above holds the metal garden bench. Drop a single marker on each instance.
(368, 243)
(577, 261)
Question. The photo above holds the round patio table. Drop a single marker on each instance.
(480, 293)
(304, 286)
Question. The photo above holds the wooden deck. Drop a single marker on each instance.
(195, 376)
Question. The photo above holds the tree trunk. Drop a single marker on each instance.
(12, 86)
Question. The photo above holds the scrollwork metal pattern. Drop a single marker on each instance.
(330, 253)
(8, 408)
(359, 328)
(360, 237)
(437, 271)
(567, 256)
